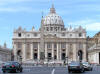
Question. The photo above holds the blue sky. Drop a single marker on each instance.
(27, 13)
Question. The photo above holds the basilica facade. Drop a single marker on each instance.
(51, 43)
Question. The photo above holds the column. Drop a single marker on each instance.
(74, 52)
(53, 51)
(24, 52)
(84, 52)
(57, 52)
(67, 50)
(46, 52)
(15, 52)
(67, 53)
(38, 51)
(60, 52)
(32, 51)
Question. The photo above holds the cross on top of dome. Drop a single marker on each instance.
(52, 9)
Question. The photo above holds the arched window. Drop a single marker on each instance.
(19, 34)
(19, 52)
(80, 34)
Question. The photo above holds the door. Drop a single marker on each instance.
(80, 54)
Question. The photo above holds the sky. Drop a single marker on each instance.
(27, 13)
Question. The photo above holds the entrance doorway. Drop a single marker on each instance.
(63, 56)
(49, 56)
(80, 54)
(99, 57)
(35, 56)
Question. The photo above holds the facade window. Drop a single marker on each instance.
(55, 57)
(35, 34)
(55, 35)
(63, 34)
(70, 35)
(47, 28)
(55, 50)
(35, 45)
(80, 34)
(58, 28)
(56, 21)
(55, 28)
(55, 45)
(80, 46)
(62, 29)
(63, 50)
(49, 45)
(28, 35)
(51, 28)
(63, 46)
(19, 34)
(19, 45)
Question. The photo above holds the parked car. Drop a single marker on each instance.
(87, 66)
(75, 66)
(12, 67)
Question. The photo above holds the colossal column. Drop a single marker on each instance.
(67, 50)
(24, 52)
(38, 51)
(57, 51)
(46, 52)
(60, 51)
(84, 52)
(32, 51)
(52, 51)
(74, 52)
(15, 52)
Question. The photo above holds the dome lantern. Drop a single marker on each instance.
(52, 10)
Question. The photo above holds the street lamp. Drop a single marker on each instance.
(20, 59)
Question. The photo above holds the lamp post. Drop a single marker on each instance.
(20, 59)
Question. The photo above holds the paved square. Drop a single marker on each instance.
(52, 70)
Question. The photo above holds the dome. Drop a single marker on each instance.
(52, 18)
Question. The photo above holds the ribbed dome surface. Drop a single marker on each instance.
(52, 18)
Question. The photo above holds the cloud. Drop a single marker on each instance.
(93, 26)
(8, 9)
(19, 1)
(20, 9)
(13, 1)
(89, 24)
(82, 22)
(20, 6)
